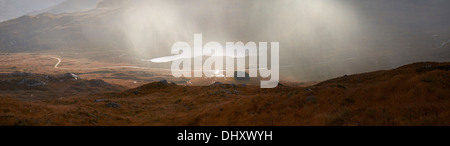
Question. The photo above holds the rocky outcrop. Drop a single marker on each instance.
(31, 82)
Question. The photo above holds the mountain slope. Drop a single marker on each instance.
(15, 8)
(60, 31)
(415, 94)
(70, 6)
(33, 86)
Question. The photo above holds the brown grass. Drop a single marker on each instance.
(407, 96)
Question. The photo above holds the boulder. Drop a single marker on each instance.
(101, 100)
(164, 82)
(245, 78)
(31, 82)
(34, 83)
(225, 91)
(113, 105)
(217, 83)
(71, 75)
(311, 98)
(21, 74)
(99, 83)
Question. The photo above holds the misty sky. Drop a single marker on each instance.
(321, 38)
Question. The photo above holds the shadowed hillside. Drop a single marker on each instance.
(415, 94)
(33, 86)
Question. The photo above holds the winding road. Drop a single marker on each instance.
(59, 61)
(134, 67)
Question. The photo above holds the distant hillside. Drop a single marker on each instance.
(70, 6)
(58, 31)
(15, 8)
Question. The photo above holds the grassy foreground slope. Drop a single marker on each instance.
(416, 94)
